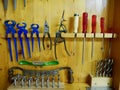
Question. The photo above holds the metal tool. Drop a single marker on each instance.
(102, 31)
(93, 31)
(15, 4)
(46, 31)
(76, 22)
(21, 29)
(35, 30)
(24, 3)
(59, 38)
(84, 24)
(37, 74)
(5, 2)
(10, 29)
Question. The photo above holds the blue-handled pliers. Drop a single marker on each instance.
(46, 31)
(35, 30)
(10, 29)
(21, 29)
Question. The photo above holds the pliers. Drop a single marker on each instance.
(10, 29)
(35, 28)
(21, 29)
(59, 38)
(46, 31)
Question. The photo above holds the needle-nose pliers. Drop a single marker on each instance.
(46, 31)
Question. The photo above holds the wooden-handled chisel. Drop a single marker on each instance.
(93, 31)
(84, 25)
(102, 31)
(5, 3)
(76, 21)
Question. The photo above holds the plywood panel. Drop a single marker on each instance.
(37, 11)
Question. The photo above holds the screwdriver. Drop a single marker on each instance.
(84, 24)
(102, 31)
(5, 2)
(93, 31)
(76, 21)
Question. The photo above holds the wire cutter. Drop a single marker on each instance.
(21, 29)
(35, 28)
(10, 29)
(46, 31)
(59, 38)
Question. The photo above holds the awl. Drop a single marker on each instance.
(93, 31)
(76, 21)
(102, 31)
(84, 24)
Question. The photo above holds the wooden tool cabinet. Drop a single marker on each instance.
(36, 11)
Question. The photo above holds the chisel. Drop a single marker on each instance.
(102, 31)
(14, 3)
(5, 2)
(84, 25)
(76, 21)
(24, 3)
(93, 31)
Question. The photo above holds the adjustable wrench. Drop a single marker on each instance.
(93, 31)
(84, 24)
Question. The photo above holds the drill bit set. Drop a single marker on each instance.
(104, 68)
(38, 78)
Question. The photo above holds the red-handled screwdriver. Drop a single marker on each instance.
(93, 31)
(102, 31)
(84, 24)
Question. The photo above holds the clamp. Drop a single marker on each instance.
(35, 28)
(46, 31)
(10, 29)
(21, 29)
(59, 38)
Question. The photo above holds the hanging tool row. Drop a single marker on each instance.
(10, 25)
(84, 30)
(104, 68)
(10, 28)
(38, 78)
(5, 3)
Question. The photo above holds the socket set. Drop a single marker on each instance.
(38, 78)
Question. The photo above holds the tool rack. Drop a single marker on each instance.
(47, 10)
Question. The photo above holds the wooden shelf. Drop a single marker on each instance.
(70, 35)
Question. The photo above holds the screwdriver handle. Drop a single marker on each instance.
(94, 23)
(76, 20)
(102, 24)
(85, 22)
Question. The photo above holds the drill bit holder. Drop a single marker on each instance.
(38, 78)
